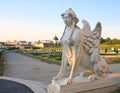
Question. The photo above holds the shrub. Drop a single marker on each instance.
(1, 64)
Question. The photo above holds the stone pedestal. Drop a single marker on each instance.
(83, 85)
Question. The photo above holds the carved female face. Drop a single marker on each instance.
(67, 18)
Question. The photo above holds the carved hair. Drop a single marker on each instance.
(75, 20)
(72, 14)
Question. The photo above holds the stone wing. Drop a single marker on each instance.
(92, 39)
(86, 27)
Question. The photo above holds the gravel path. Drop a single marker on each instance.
(20, 66)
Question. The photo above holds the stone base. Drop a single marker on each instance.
(83, 85)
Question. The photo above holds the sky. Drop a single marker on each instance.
(33, 20)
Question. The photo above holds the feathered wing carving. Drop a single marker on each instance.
(92, 39)
(86, 27)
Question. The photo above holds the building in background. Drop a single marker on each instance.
(17, 44)
(43, 43)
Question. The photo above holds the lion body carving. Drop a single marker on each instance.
(81, 48)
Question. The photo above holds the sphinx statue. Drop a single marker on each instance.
(80, 49)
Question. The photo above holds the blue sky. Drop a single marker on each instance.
(40, 19)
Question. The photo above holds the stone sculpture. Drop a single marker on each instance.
(81, 49)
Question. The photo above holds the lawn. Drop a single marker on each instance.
(54, 57)
(45, 56)
(116, 60)
(103, 46)
(1, 64)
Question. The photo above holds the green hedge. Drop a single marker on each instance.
(1, 64)
(103, 46)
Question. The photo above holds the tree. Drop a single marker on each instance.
(108, 39)
(55, 40)
(102, 40)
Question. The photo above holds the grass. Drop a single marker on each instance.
(1, 64)
(45, 59)
(118, 90)
(112, 60)
(55, 57)
(109, 54)
(116, 60)
(48, 57)
(103, 46)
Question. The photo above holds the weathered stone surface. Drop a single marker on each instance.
(81, 50)
(83, 85)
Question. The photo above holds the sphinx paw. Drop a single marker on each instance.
(68, 81)
(58, 77)
(92, 77)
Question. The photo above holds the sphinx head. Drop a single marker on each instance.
(69, 17)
